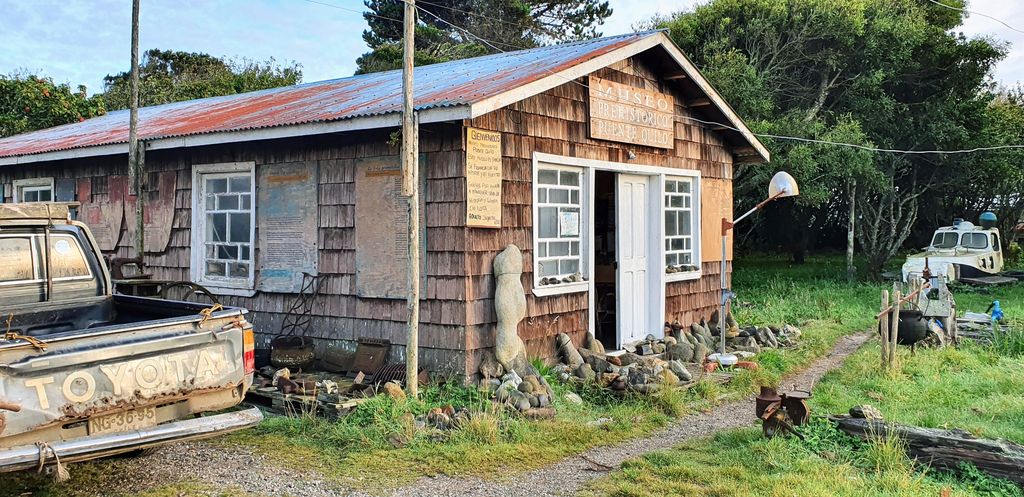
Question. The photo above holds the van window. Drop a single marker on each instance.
(945, 239)
(16, 261)
(974, 241)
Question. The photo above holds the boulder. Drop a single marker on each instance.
(668, 377)
(585, 372)
(670, 340)
(607, 379)
(597, 362)
(490, 367)
(537, 384)
(573, 398)
(682, 351)
(680, 370)
(700, 353)
(592, 344)
(644, 348)
(509, 307)
(526, 387)
(394, 390)
(659, 347)
(629, 358)
(866, 411)
(513, 378)
(570, 355)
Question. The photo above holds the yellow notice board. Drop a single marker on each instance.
(483, 178)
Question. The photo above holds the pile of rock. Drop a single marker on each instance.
(529, 393)
(695, 342)
(619, 373)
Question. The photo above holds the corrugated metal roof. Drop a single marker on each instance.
(447, 84)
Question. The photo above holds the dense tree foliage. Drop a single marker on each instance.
(172, 76)
(458, 29)
(29, 102)
(889, 73)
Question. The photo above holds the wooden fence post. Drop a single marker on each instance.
(895, 330)
(883, 329)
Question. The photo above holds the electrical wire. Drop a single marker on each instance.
(1000, 21)
(360, 12)
(710, 124)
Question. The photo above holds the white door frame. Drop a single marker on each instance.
(656, 244)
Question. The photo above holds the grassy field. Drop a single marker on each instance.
(972, 387)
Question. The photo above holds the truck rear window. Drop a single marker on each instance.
(66, 258)
(16, 261)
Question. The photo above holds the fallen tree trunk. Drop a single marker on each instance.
(945, 449)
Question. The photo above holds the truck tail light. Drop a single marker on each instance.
(248, 351)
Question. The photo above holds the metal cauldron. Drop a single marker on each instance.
(912, 328)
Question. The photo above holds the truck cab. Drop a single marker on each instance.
(87, 373)
(963, 250)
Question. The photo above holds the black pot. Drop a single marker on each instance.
(912, 328)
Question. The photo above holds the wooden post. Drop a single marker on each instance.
(895, 327)
(410, 189)
(851, 271)
(135, 172)
(883, 329)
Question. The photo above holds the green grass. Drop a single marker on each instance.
(976, 388)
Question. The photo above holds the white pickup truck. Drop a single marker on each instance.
(85, 373)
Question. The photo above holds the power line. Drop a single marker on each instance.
(709, 124)
(360, 12)
(1000, 21)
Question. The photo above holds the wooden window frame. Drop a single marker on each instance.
(36, 184)
(226, 285)
(582, 236)
(695, 235)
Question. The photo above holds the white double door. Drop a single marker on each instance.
(636, 307)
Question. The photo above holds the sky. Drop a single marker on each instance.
(80, 41)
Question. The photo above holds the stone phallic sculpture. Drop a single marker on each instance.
(510, 306)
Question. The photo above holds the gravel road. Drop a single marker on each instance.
(239, 469)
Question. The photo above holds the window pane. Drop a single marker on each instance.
(227, 252)
(66, 258)
(676, 201)
(211, 202)
(30, 196)
(684, 223)
(670, 259)
(16, 259)
(547, 177)
(569, 222)
(549, 268)
(671, 225)
(574, 248)
(246, 202)
(238, 270)
(542, 249)
(570, 178)
(559, 196)
(240, 183)
(677, 244)
(568, 266)
(670, 186)
(574, 197)
(686, 258)
(556, 249)
(975, 241)
(215, 268)
(684, 186)
(219, 185)
(245, 253)
(548, 220)
(542, 195)
(240, 224)
(216, 227)
(227, 202)
(44, 195)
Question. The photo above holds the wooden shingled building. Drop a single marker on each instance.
(592, 157)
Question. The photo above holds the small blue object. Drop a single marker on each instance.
(997, 311)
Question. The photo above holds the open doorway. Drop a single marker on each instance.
(604, 258)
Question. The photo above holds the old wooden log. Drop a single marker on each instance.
(945, 449)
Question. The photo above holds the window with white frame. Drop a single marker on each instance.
(33, 190)
(680, 255)
(223, 225)
(558, 230)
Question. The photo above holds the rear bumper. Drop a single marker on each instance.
(27, 456)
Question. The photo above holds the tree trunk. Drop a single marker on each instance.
(851, 271)
(945, 449)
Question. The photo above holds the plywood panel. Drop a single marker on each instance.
(715, 203)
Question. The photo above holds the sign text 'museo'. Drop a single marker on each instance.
(628, 114)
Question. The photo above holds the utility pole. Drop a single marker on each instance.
(135, 172)
(410, 190)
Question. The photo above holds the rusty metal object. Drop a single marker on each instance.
(9, 406)
(292, 352)
(781, 414)
(396, 372)
(371, 354)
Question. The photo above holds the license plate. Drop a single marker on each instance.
(135, 419)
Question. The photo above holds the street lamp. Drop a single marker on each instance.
(781, 185)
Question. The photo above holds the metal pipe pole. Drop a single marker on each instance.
(410, 189)
(725, 294)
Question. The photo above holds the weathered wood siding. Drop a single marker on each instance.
(339, 313)
(555, 122)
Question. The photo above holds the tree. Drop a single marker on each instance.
(171, 76)
(29, 102)
(887, 73)
(458, 29)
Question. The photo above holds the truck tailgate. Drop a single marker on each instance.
(121, 378)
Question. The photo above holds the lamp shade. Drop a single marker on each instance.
(783, 185)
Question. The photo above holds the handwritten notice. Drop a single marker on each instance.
(483, 178)
(628, 114)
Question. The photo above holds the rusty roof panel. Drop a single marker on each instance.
(446, 84)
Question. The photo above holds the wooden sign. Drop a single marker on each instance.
(483, 178)
(627, 114)
(382, 228)
(288, 219)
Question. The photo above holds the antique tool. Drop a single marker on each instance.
(782, 413)
(291, 348)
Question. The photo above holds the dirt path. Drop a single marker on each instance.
(571, 474)
(238, 469)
